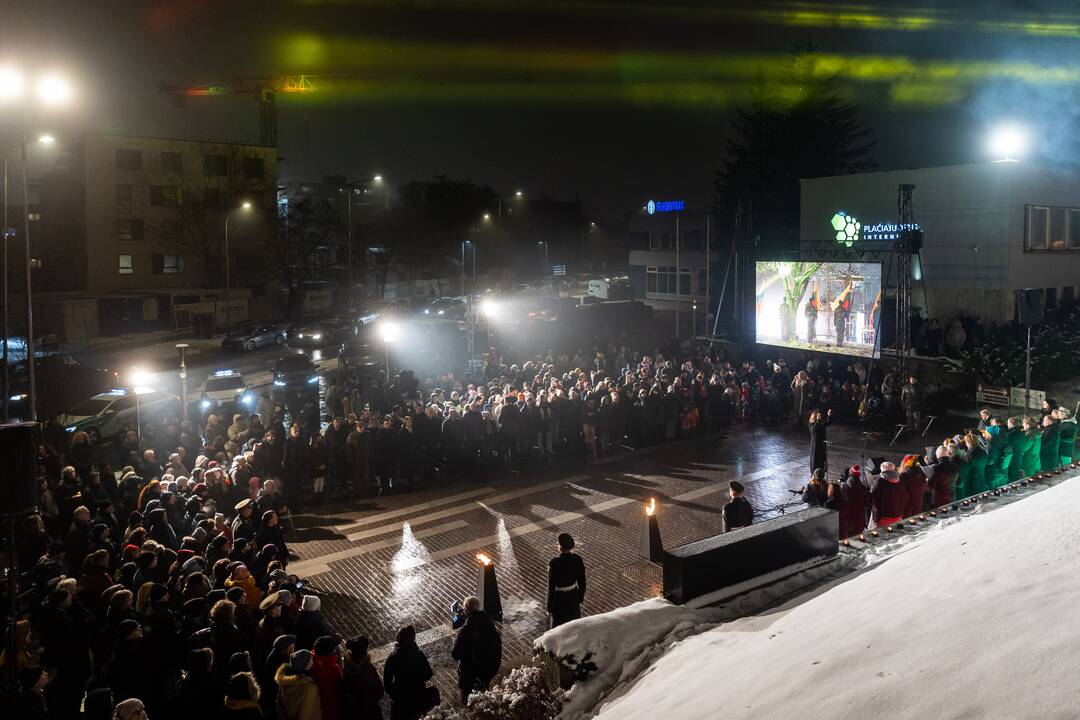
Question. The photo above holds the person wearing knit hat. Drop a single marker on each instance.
(327, 672)
(297, 694)
(310, 603)
(130, 709)
(310, 624)
(889, 497)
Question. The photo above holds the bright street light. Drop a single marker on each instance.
(377, 178)
(46, 140)
(1007, 142)
(139, 377)
(390, 332)
(519, 194)
(487, 216)
(489, 308)
(11, 83)
(54, 90)
(245, 205)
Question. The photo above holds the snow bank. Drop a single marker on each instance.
(976, 620)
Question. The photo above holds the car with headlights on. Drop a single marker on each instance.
(322, 332)
(253, 337)
(225, 389)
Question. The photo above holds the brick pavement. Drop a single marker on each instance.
(404, 558)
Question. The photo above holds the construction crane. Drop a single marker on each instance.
(263, 89)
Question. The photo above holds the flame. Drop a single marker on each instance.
(484, 559)
(651, 507)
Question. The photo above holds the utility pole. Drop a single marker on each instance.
(30, 371)
(181, 347)
(4, 322)
(678, 277)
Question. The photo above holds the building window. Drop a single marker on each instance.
(168, 264)
(128, 159)
(216, 165)
(660, 280)
(125, 267)
(33, 216)
(684, 282)
(165, 195)
(172, 162)
(253, 168)
(660, 241)
(129, 230)
(1052, 228)
(123, 194)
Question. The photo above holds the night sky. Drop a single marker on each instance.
(612, 101)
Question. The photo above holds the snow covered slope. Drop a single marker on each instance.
(979, 619)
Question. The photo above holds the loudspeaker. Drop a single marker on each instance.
(910, 241)
(18, 479)
(1029, 306)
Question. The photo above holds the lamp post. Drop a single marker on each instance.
(228, 275)
(348, 216)
(138, 379)
(50, 91)
(518, 195)
(181, 348)
(547, 266)
(390, 332)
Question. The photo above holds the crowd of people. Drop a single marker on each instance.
(987, 457)
(162, 588)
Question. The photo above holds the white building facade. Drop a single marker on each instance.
(989, 229)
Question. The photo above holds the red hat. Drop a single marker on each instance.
(855, 470)
(212, 464)
(199, 487)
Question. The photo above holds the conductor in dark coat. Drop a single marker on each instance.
(566, 583)
(818, 423)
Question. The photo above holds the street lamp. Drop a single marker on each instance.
(348, 213)
(546, 266)
(182, 349)
(139, 381)
(518, 195)
(228, 275)
(390, 333)
(52, 91)
(1007, 142)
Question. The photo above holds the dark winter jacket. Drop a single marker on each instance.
(856, 505)
(914, 480)
(478, 650)
(404, 675)
(889, 498)
(362, 689)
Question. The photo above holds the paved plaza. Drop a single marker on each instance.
(401, 559)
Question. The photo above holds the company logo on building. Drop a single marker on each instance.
(849, 230)
(847, 227)
(660, 206)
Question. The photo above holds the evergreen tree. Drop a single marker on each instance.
(801, 129)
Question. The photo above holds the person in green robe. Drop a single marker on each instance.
(975, 481)
(1033, 448)
(1066, 436)
(1051, 430)
(995, 464)
(1018, 443)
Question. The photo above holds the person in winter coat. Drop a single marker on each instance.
(941, 476)
(297, 694)
(271, 534)
(326, 670)
(310, 624)
(889, 497)
(358, 455)
(242, 578)
(284, 646)
(405, 676)
(856, 503)
(225, 637)
(914, 480)
(478, 650)
(242, 698)
(361, 686)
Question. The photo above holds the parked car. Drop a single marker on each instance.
(253, 336)
(363, 351)
(317, 333)
(104, 416)
(224, 389)
(446, 309)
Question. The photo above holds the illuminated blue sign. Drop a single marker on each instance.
(655, 206)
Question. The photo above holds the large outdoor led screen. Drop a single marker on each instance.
(825, 306)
